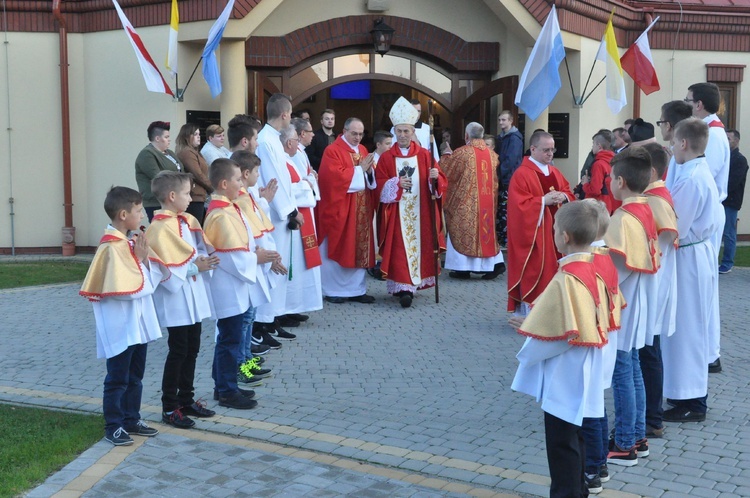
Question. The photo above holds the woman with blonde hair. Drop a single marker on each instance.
(188, 141)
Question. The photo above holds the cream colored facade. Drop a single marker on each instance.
(110, 107)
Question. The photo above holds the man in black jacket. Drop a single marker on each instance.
(324, 137)
(732, 204)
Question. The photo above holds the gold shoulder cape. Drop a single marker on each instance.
(632, 234)
(258, 221)
(225, 227)
(165, 238)
(612, 301)
(662, 206)
(568, 308)
(115, 270)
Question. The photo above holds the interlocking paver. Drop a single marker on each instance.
(431, 379)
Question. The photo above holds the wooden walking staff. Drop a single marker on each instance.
(433, 215)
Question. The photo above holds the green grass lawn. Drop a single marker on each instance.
(50, 272)
(742, 256)
(35, 442)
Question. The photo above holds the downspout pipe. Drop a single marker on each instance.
(68, 230)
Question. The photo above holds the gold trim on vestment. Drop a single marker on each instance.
(225, 227)
(627, 237)
(114, 271)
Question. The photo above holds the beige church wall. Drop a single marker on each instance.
(31, 153)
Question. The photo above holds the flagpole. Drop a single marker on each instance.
(570, 80)
(583, 95)
(177, 92)
(191, 76)
(594, 89)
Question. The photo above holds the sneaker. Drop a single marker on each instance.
(604, 473)
(594, 483)
(119, 437)
(260, 359)
(270, 341)
(177, 419)
(198, 409)
(723, 269)
(280, 333)
(287, 321)
(250, 380)
(626, 458)
(641, 447)
(252, 369)
(238, 402)
(653, 432)
(261, 335)
(248, 393)
(259, 349)
(299, 317)
(142, 429)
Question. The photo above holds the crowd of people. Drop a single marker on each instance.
(614, 283)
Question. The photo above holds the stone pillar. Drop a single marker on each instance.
(233, 79)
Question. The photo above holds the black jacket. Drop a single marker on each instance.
(317, 146)
(737, 176)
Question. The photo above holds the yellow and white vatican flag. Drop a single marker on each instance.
(174, 26)
(609, 54)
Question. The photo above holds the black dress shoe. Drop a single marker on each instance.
(680, 414)
(405, 299)
(287, 321)
(460, 275)
(248, 393)
(299, 317)
(335, 299)
(715, 367)
(496, 272)
(364, 298)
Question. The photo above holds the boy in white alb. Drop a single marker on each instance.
(561, 361)
(237, 283)
(119, 284)
(182, 300)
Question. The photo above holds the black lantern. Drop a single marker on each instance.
(382, 34)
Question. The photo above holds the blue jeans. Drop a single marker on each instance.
(121, 402)
(247, 329)
(653, 381)
(226, 355)
(729, 237)
(630, 400)
(596, 438)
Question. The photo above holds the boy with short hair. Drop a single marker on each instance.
(233, 284)
(696, 202)
(596, 430)
(119, 284)
(561, 360)
(249, 369)
(182, 300)
(652, 366)
(634, 247)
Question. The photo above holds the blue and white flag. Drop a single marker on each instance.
(540, 80)
(210, 66)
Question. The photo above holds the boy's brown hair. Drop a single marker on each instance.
(659, 158)
(602, 216)
(579, 220)
(634, 166)
(221, 169)
(119, 198)
(246, 160)
(695, 131)
(168, 181)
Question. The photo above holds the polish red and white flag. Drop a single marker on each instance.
(639, 64)
(152, 76)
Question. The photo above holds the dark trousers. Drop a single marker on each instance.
(653, 380)
(566, 456)
(697, 405)
(121, 402)
(197, 209)
(150, 212)
(179, 368)
(226, 354)
(596, 439)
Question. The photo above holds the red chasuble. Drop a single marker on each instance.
(395, 262)
(307, 230)
(532, 256)
(471, 201)
(345, 219)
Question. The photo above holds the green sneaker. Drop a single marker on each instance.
(252, 368)
(250, 380)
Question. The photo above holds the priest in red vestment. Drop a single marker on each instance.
(407, 177)
(536, 191)
(344, 216)
(470, 207)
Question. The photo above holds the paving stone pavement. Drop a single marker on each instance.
(423, 393)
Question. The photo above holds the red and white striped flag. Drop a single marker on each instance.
(151, 74)
(639, 64)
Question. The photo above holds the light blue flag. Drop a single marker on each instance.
(210, 65)
(540, 80)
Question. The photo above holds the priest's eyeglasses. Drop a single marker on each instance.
(549, 150)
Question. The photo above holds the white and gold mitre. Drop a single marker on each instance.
(403, 112)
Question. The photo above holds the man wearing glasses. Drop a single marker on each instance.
(344, 216)
(536, 191)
